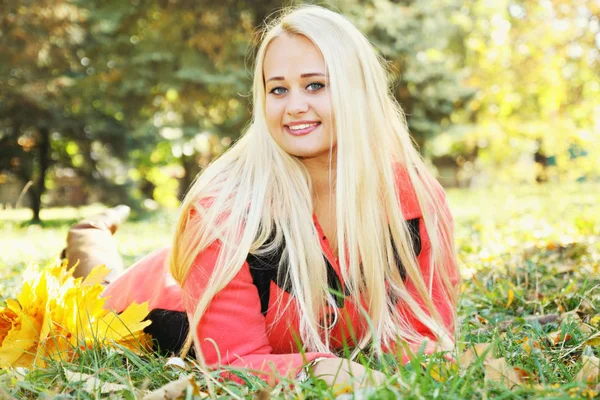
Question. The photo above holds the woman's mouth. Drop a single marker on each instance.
(301, 128)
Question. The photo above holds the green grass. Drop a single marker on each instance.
(524, 251)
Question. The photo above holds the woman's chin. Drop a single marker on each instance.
(311, 153)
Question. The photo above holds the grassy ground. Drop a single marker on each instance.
(530, 259)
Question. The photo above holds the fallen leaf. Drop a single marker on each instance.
(511, 297)
(585, 328)
(176, 362)
(92, 383)
(497, 370)
(340, 389)
(176, 389)
(440, 372)
(558, 337)
(359, 394)
(590, 393)
(263, 395)
(593, 341)
(590, 371)
(523, 375)
(96, 276)
(522, 340)
(55, 313)
(474, 353)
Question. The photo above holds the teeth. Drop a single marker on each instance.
(298, 127)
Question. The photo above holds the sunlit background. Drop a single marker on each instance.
(126, 101)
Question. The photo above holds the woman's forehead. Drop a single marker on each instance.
(290, 56)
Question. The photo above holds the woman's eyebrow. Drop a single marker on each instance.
(311, 74)
(307, 75)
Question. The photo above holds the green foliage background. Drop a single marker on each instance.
(125, 101)
(115, 101)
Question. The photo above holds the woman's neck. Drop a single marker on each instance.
(323, 178)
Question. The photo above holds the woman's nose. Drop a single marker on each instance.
(297, 104)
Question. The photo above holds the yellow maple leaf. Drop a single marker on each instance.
(96, 276)
(55, 314)
(116, 327)
(19, 342)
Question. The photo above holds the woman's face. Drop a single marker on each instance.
(298, 103)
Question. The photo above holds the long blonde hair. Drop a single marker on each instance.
(256, 189)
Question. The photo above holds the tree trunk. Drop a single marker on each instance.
(44, 161)
(191, 168)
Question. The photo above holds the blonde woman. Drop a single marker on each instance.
(319, 230)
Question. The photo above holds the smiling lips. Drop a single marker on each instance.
(301, 128)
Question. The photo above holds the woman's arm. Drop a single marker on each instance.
(233, 330)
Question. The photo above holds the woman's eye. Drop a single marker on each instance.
(315, 86)
(278, 90)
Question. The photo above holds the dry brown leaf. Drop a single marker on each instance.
(263, 395)
(523, 375)
(585, 328)
(478, 351)
(590, 371)
(92, 383)
(558, 337)
(498, 370)
(175, 389)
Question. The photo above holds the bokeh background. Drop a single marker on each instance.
(126, 101)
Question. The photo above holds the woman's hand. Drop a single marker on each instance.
(90, 243)
(341, 371)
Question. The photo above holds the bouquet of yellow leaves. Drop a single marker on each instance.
(56, 315)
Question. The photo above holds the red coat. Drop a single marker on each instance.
(242, 319)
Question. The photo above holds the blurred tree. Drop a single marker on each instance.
(178, 72)
(422, 43)
(536, 68)
(185, 66)
(37, 47)
(148, 91)
(47, 117)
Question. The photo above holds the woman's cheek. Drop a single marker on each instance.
(273, 115)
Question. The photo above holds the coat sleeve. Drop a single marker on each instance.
(442, 301)
(233, 331)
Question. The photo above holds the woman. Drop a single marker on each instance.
(319, 230)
